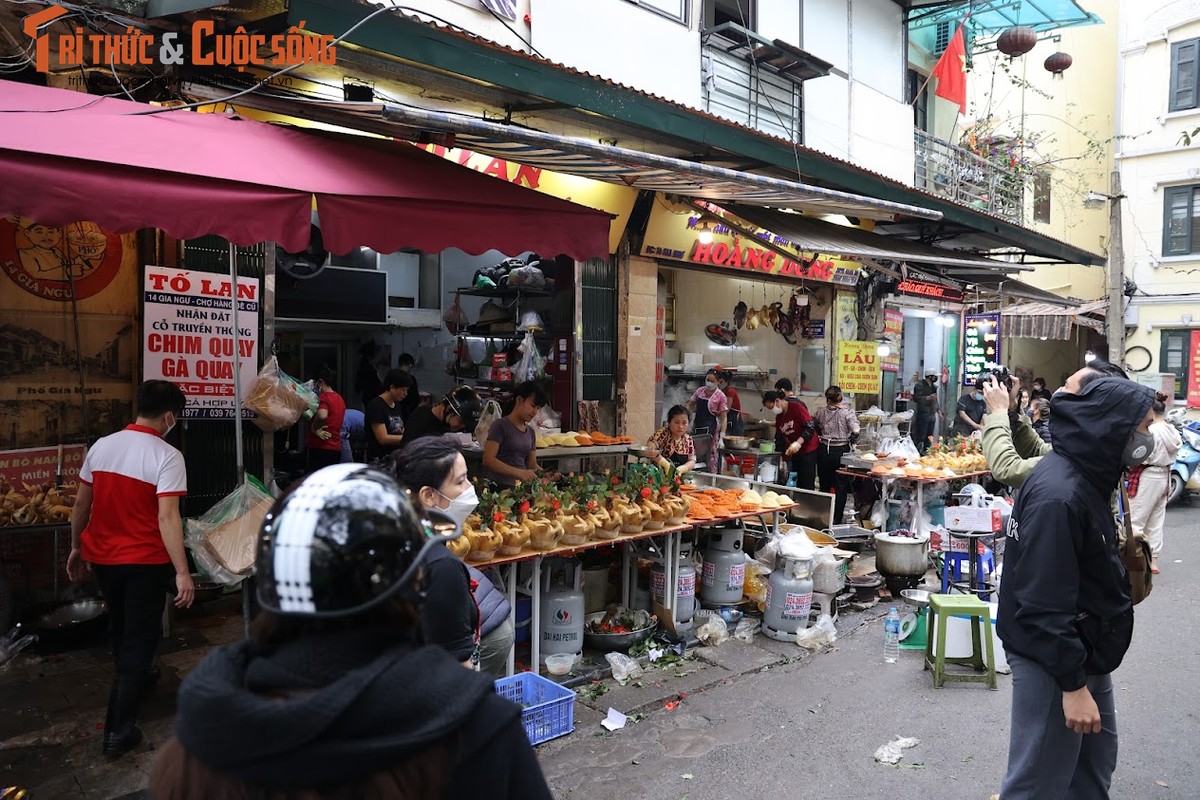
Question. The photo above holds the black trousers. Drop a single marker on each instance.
(136, 595)
(920, 430)
(318, 459)
(829, 460)
(805, 467)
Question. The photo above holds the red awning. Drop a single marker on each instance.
(67, 156)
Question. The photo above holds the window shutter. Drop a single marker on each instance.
(1177, 221)
(1185, 57)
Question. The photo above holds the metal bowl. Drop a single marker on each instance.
(609, 642)
(207, 591)
(737, 442)
(72, 614)
(916, 597)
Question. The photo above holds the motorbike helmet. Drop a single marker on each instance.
(342, 541)
(464, 403)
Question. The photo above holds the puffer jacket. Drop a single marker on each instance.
(1065, 601)
(493, 605)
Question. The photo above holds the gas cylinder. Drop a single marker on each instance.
(724, 567)
(561, 608)
(789, 598)
(685, 587)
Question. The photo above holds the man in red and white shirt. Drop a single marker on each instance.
(126, 530)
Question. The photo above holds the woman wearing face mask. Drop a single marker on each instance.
(1039, 416)
(711, 409)
(463, 611)
(1148, 484)
(970, 411)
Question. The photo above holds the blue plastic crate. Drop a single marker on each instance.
(548, 709)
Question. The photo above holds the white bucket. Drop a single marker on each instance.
(958, 640)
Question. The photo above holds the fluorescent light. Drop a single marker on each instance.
(884, 350)
(705, 233)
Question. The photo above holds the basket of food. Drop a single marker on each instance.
(618, 629)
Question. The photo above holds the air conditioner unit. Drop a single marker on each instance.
(414, 318)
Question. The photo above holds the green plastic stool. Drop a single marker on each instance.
(943, 606)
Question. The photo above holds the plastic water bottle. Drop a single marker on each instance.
(891, 637)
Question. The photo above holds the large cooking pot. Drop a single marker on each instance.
(71, 625)
(901, 555)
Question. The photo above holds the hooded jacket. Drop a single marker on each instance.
(1065, 601)
(328, 712)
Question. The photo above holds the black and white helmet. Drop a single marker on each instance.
(342, 541)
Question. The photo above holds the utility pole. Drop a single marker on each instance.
(1115, 319)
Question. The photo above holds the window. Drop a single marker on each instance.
(1181, 220)
(916, 83)
(1041, 196)
(1185, 94)
(1173, 357)
(674, 9)
(722, 12)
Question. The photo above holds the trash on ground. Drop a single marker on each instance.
(893, 751)
(713, 632)
(623, 667)
(615, 720)
(822, 633)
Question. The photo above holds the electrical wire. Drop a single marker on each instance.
(528, 43)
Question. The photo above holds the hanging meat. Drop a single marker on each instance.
(739, 314)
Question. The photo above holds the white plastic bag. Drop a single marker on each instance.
(491, 413)
(745, 630)
(819, 635)
(624, 668)
(224, 539)
(713, 632)
(547, 420)
(532, 364)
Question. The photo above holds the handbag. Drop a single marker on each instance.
(1136, 553)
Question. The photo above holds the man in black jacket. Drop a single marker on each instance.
(1065, 614)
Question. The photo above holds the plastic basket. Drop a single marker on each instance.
(548, 710)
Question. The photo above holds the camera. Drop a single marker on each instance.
(1002, 376)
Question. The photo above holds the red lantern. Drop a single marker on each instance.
(1016, 41)
(1057, 64)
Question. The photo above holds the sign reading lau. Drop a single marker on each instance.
(188, 337)
(981, 346)
(858, 367)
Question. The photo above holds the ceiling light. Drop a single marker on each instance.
(705, 234)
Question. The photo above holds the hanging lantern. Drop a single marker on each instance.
(1016, 41)
(1057, 64)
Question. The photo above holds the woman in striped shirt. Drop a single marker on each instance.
(838, 426)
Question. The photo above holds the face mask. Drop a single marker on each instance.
(170, 427)
(712, 387)
(979, 395)
(1137, 450)
(462, 506)
(776, 411)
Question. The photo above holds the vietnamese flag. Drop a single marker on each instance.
(951, 72)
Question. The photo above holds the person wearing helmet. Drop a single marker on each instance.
(333, 694)
(463, 611)
(458, 411)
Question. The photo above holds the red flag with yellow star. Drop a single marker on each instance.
(951, 72)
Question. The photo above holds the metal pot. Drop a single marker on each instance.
(900, 555)
(609, 642)
(71, 625)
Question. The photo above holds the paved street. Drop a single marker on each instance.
(809, 729)
(756, 719)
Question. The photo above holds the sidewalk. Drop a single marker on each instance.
(54, 706)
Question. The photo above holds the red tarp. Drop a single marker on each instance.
(67, 156)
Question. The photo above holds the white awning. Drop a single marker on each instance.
(583, 158)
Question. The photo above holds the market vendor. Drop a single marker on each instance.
(968, 416)
(385, 416)
(736, 425)
(838, 428)
(796, 435)
(509, 454)
(672, 442)
(711, 408)
(323, 440)
(458, 411)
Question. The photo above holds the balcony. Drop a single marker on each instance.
(756, 81)
(968, 179)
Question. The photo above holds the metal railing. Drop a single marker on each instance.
(968, 179)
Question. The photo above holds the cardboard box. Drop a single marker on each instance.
(233, 544)
(972, 519)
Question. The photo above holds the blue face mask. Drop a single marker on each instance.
(979, 395)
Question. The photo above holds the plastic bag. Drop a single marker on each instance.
(713, 632)
(491, 413)
(796, 545)
(547, 420)
(224, 539)
(745, 630)
(819, 635)
(755, 584)
(532, 365)
(455, 318)
(527, 276)
(276, 398)
(624, 668)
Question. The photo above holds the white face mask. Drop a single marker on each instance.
(712, 387)
(170, 427)
(776, 411)
(462, 506)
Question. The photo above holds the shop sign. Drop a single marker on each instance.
(616, 200)
(188, 337)
(893, 324)
(674, 236)
(858, 368)
(935, 291)
(1193, 394)
(814, 329)
(845, 316)
(981, 346)
(37, 466)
